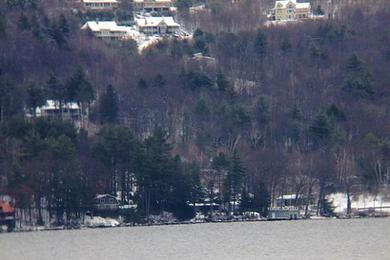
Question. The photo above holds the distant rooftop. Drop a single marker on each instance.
(100, 1)
(155, 21)
(283, 4)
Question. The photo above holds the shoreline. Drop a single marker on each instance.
(134, 225)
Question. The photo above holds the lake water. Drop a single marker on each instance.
(303, 239)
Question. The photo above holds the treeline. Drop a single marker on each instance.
(49, 162)
(304, 107)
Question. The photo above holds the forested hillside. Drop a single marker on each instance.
(302, 108)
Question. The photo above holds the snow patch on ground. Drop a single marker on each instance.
(339, 201)
(101, 222)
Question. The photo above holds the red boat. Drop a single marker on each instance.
(7, 215)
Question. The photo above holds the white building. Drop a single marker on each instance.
(157, 25)
(52, 108)
(153, 5)
(287, 10)
(110, 30)
(100, 4)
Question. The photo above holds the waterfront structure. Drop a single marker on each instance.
(106, 203)
(100, 4)
(287, 10)
(157, 25)
(283, 213)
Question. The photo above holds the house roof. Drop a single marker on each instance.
(155, 21)
(97, 26)
(151, 1)
(100, 1)
(297, 5)
(54, 105)
(112, 26)
(99, 196)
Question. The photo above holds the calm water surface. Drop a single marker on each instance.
(311, 239)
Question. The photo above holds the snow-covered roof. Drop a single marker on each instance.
(97, 26)
(151, 1)
(155, 21)
(55, 105)
(99, 196)
(287, 197)
(111, 26)
(283, 4)
(100, 1)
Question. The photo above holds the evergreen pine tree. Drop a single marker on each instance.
(108, 106)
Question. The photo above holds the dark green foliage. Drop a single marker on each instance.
(197, 80)
(124, 15)
(23, 23)
(262, 112)
(108, 106)
(201, 40)
(22, 3)
(327, 208)
(163, 185)
(335, 113)
(318, 10)
(296, 113)
(262, 199)
(357, 80)
(321, 128)
(201, 108)
(11, 99)
(158, 81)
(223, 83)
(285, 46)
(57, 35)
(36, 27)
(79, 89)
(330, 32)
(3, 25)
(234, 178)
(142, 84)
(220, 162)
(183, 5)
(55, 89)
(260, 44)
(63, 25)
(115, 146)
(35, 97)
(239, 116)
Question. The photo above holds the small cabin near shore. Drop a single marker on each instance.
(283, 213)
(106, 203)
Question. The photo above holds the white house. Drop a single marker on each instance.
(157, 25)
(110, 30)
(287, 10)
(100, 4)
(153, 5)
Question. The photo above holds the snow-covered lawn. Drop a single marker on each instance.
(339, 201)
(100, 222)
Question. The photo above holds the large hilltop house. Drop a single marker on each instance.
(157, 25)
(100, 4)
(287, 10)
(51, 109)
(153, 5)
(109, 30)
